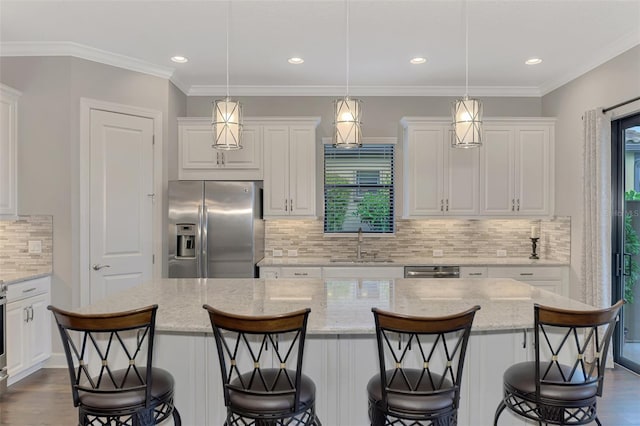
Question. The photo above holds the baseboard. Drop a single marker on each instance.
(57, 360)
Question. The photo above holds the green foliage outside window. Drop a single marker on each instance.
(339, 199)
(631, 247)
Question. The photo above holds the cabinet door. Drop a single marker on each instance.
(532, 171)
(302, 171)
(250, 156)
(8, 150)
(424, 159)
(195, 148)
(276, 170)
(462, 180)
(17, 337)
(496, 172)
(39, 329)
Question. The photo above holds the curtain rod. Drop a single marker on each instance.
(604, 110)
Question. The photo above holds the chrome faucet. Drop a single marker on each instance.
(359, 246)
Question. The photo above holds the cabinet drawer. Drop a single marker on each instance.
(473, 272)
(28, 288)
(308, 272)
(526, 273)
(383, 272)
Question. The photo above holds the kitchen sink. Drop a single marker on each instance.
(359, 261)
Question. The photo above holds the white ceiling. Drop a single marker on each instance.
(572, 37)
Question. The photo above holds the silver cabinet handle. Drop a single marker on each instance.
(447, 204)
(300, 274)
(218, 158)
(291, 205)
(31, 313)
(475, 273)
(513, 204)
(26, 314)
(224, 160)
(526, 273)
(97, 267)
(29, 290)
(441, 205)
(518, 204)
(286, 206)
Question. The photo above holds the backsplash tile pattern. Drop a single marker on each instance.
(14, 244)
(418, 238)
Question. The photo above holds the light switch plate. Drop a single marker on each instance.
(437, 253)
(35, 246)
(292, 253)
(501, 253)
(277, 252)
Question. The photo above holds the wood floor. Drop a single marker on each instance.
(44, 398)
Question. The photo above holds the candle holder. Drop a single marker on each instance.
(534, 247)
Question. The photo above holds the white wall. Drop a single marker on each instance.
(615, 81)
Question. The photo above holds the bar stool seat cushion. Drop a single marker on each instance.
(161, 389)
(275, 403)
(412, 403)
(521, 378)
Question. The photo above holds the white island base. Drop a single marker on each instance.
(340, 352)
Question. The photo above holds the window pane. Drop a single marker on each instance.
(358, 189)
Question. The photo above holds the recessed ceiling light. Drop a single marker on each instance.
(179, 59)
(295, 61)
(533, 61)
(418, 60)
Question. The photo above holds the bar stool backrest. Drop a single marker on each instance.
(435, 345)
(249, 344)
(571, 346)
(96, 345)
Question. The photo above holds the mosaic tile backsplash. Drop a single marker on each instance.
(418, 238)
(15, 235)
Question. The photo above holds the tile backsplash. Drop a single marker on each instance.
(15, 235)
(418, 238)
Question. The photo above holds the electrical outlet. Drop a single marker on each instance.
(277, 252)
(35, 246)
(437, 253)
(501, 253)
(292, 253)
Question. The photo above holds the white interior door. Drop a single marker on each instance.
(121, 188)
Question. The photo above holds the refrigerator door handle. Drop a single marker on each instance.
(199, 244)
(205, 258)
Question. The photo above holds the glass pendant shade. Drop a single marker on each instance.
(348, 122)
(226, 121)
(467, 123)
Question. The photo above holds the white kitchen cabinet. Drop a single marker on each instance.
(371, 272)
(473, 272)
(275, 272)
(290, 169)
(8, 150)
(439, 180)
(28, 327)
(551, 278)
(198, 160)
(517, 168)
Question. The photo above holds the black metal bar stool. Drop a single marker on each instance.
(109, 357)
(421, 362)
(261, 364)
(560, 387)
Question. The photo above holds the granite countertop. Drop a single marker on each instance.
(16, 277)
(338, 306)
(461, 261)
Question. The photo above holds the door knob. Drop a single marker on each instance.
(97, 267)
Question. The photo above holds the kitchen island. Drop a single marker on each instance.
(340, 353)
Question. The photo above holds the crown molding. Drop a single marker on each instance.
(502, 91)
(67, 48)
(596, 59)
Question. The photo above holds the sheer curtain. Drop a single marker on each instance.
(596, 247)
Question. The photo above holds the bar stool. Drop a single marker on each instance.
(421, 362)
(560, 387)
(95, 346)
(254, 392)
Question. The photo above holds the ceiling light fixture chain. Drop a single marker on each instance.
(347, 132)
(226, 118)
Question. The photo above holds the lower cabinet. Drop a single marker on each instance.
(552, 278)
(381, 272)
(28, 327)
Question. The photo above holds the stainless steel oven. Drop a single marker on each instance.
(3, 337)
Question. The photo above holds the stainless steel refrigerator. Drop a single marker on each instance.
(216, 229)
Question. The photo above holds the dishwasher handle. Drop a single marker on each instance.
(432, 272)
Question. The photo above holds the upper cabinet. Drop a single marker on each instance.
(290, 168)
(438, 180)
(198, 160)
(517, 168)
(511, 174)
(8, 150)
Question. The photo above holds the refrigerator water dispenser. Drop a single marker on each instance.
(186, 234)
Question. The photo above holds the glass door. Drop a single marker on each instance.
(625, 137)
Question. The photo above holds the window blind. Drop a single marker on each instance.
(358, 189)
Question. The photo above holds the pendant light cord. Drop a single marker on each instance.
(466, 50)
(227, 36)
(347, 43)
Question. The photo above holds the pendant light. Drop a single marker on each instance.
(467, 112)
(226, 118)
(347, 132)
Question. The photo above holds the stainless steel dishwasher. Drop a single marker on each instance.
(432, 272)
